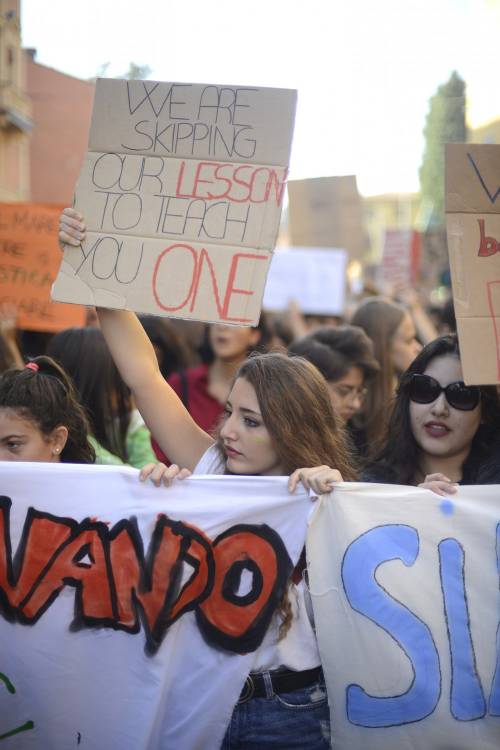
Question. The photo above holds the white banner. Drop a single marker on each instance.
(405, 590)
(129, 614)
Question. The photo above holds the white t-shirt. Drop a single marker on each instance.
(298, 650)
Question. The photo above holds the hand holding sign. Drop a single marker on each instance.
(181, 191)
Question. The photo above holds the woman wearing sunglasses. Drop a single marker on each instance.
(441, 432)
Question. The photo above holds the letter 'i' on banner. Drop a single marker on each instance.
(411, 581)
(181, 189)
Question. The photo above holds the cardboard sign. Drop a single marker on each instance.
(29, 260)
(315, 278)
(405, 591)
(129, 614)
(181, 190)
(401, 258)
(473, 230)
(327, 212)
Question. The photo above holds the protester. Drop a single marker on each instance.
(40, 416)
(344, 356)
(441, 432)
(204, 389)
(425, 327)
(171, 351)
(118, 433)
(390, 327)
(10, 356)
(278, 418)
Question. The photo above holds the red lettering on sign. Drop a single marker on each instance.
(189, 282)
(216, 181)
(487, 245)
(117, 586)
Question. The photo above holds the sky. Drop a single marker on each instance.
(364, 69)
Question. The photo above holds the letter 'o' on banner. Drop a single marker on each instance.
(237, 620)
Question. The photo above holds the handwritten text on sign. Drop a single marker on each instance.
(119, 585)
(190, 172)
(414, 582)
(29, 259)
(473, 228)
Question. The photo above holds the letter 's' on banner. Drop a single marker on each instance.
(405, 592)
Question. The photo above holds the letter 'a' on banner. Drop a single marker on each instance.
(181, 190)
(405, 592)
(130, 615)
(473, 231)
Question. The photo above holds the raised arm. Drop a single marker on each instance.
(170, 423)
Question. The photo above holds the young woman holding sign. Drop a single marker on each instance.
(441, 432)
(278, 418)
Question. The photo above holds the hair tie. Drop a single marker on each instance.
(32, 366)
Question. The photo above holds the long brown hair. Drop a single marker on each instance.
(297, 411)
(379, 318)
(46, 396)
(298, 414)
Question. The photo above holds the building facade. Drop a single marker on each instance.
(15, 108)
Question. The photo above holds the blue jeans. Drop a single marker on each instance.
(288, 721)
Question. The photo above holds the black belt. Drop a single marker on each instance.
(282, 680)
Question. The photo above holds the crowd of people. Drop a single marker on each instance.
(379, 397)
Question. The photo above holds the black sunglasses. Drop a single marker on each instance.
(424, 390)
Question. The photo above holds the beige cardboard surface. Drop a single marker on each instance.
(184, 177)
(175, 279)
(197, 121)
(473, 230)
(327, 212)
(472, 178)
(480, 347)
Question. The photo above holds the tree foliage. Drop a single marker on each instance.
(445, 123)
(135, 72)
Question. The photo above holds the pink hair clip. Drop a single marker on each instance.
(32, 366)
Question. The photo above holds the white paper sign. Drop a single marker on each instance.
(122, 624)
(405, 590)
(315, 278)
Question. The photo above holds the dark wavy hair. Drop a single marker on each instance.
(85, 356)
(335, 350)
(398, 457)
(298, 413)
(379, 318)
(47, 398)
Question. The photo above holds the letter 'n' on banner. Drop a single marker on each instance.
(130, 615)
(181, 189)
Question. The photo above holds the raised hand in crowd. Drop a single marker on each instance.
(10, 355)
